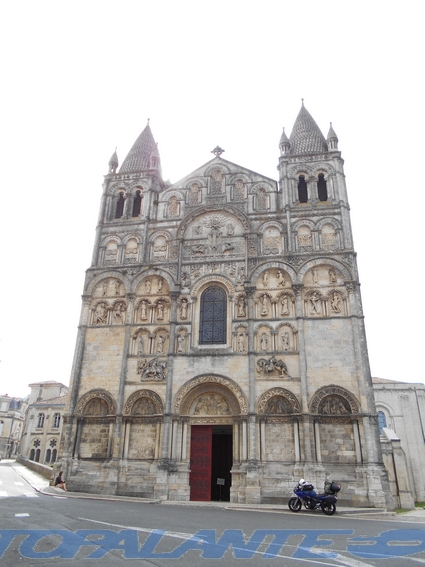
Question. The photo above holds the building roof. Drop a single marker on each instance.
(59, 400)
(139, 157)
(48, 382)
(306, 137)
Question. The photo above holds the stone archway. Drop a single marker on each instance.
(211, 407)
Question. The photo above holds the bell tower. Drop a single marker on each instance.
(339, 415)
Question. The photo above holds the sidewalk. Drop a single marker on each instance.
(41, 485)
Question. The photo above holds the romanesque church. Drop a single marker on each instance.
(221, 350)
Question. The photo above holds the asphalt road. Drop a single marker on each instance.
(55, 530)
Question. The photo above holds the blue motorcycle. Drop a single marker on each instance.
(305, 494)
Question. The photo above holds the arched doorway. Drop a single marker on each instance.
(211, 407)
(211, 460)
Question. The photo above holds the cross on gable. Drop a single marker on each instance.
(217, 151)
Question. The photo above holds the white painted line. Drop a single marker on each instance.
(23, 515)
(31, 495)
(19, 483)
(3, 493)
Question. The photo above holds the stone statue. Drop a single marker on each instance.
(160, 344)
(160, 285)
(183, 309)
(117, 284)
(332, 276)
(105, 286)
(241, 307)
(143, 315)
(181, 343)
(315, 275)
(241, 343)
(285, 341)
(265, 309)
(314, 298)
(140, 347)
(266, 279)
(285, 306)
(160, 311)
(336, 302)
(264, 342)
(148, 286)
(280, 279)
(101, 314)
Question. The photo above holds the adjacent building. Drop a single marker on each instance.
(12, 416)
(43, 422)
(221, 349)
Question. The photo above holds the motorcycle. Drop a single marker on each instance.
(305, 494)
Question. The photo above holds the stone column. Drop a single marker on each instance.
(303, 370)
(250, 290)
(317, 441)
(357, 443)
(174, 295)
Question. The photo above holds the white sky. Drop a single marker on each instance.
(79, 78)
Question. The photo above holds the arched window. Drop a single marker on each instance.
(40, 420)
(37, 456)
(302, 190)
(32, 454)
(48, 455)
(322, 190)
(137, 204)
(213, 316)
(382, 421)
(56, 420)
(120, 206)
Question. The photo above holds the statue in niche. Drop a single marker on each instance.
(117, 284)
(105, 286)
(185, 277)
(278, 406)
(264, 342)
(285, 341)
(181, 340)
(333, 405)
(160, 285)
(153, 370)
(272, 365)
(266, 279)
(265, 309)
(148, 286)
(140, 345)
(119, 311)
(314, 299)
(241, 277)
(241, 307)
(285, 306)
(100, 314)
(173, 207)
(160, 341)
(241, 342)
(183, 309)
(315, 275)
(280, 279)
(333, 278)
(160, 311)
(143, 406)
(336, 302)
(143, 310)
(211, 404)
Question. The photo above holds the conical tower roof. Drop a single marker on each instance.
(306, 137)
(139, 157)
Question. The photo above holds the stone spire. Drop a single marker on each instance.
(284, 144)
(143, 155)
(306, 137)
(113, 162)
(332, 139)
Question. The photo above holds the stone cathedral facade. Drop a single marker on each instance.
(221, 351)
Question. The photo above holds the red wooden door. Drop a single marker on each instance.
(200, 462)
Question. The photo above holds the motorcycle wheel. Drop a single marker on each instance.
(294, 504)
(309, 503)
(328, 508)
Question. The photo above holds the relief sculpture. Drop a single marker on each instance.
(152, 370)
(266, 367)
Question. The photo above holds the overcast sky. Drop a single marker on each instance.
(80, 78)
